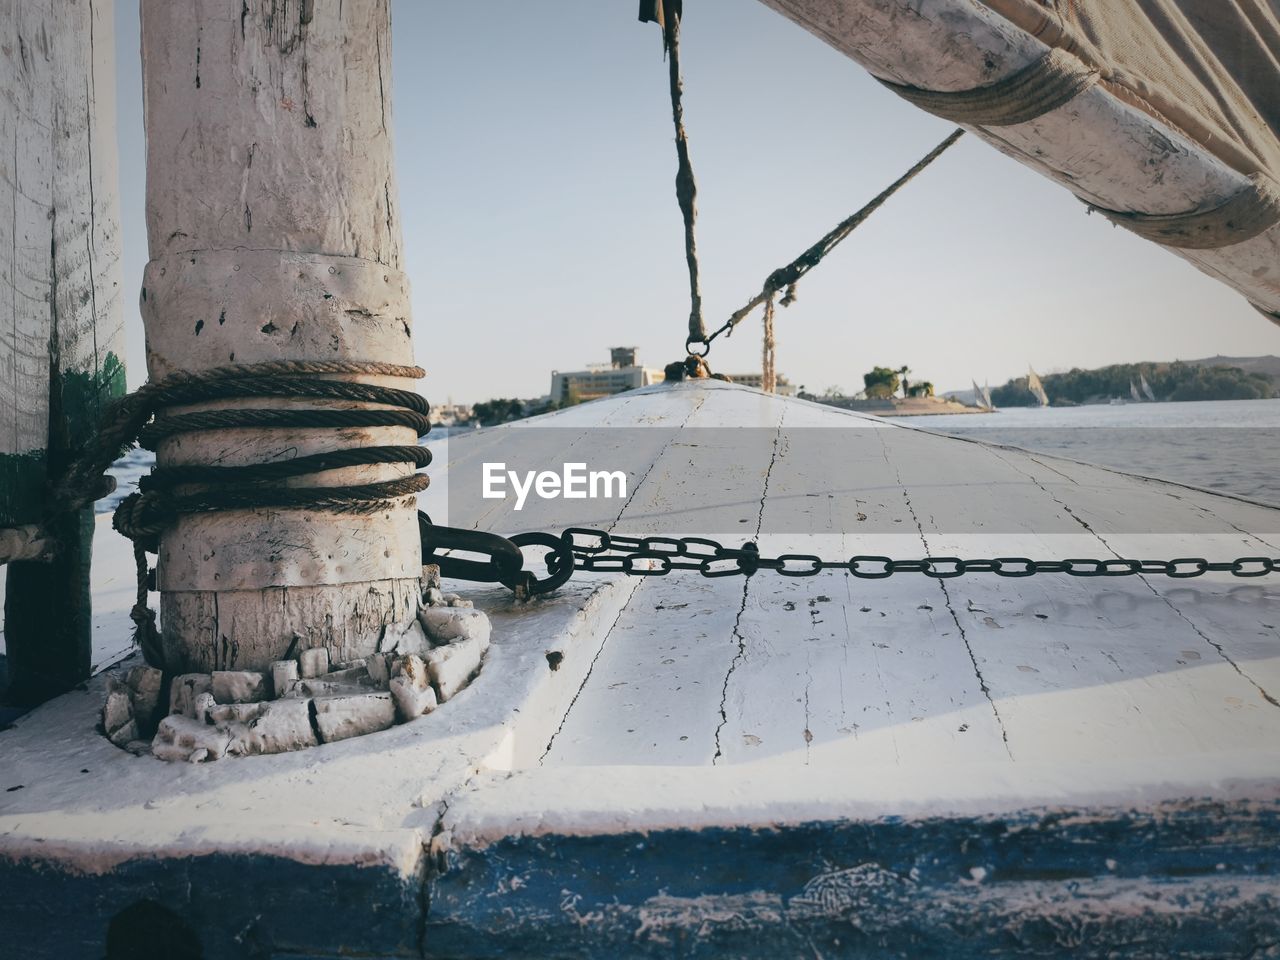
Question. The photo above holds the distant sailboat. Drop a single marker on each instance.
(1146, 388)
(1134, 395)
(1036, 388)
(982, 396)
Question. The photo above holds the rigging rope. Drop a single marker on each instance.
(787, 277)
(667, 14)
(768, 376)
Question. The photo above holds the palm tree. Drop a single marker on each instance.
(905, 387)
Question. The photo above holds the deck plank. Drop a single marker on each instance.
(653, 695)
(909, 671)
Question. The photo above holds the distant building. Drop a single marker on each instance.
(620, 357)
(783, 387)
(450, 413)
(622, 373)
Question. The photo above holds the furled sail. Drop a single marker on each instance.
(1037, 388)
(1162, 115)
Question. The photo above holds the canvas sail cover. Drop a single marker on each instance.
(1162, 115)
(1209, 67)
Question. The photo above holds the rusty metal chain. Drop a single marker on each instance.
(597, 551)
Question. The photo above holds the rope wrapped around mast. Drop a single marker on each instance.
(142, 516)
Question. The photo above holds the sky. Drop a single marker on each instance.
(536, 168)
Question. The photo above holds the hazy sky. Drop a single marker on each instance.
(536, 168)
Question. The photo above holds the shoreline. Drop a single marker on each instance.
(909, 407)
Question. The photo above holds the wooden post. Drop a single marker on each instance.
(272, 220)
(60, 346)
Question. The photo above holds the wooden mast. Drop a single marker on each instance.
(274, 235)
(60, 343)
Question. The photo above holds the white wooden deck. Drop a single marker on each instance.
(839, 673)
(682, 701)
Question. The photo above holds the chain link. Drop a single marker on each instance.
(598, 551)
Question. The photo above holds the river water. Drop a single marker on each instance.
(1232, 446)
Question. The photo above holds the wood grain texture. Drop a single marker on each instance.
(269, 128)
(60, 249)
(61, 321)
(274, 234)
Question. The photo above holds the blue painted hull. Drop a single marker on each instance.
(227, 906)
(1192, 880)
(1196, 880)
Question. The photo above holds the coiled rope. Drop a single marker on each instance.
(144, 515)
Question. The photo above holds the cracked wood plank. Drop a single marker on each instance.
(1234, 617)
(1100, 668)
(842, 671)
(832, 671)
(654, 694)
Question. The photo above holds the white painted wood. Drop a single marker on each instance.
(246, 305)
(371, 800)
(907, 672)
(274, 235)
(653, 695)
(1113, 710)
(59, 210)
(1105, 151)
